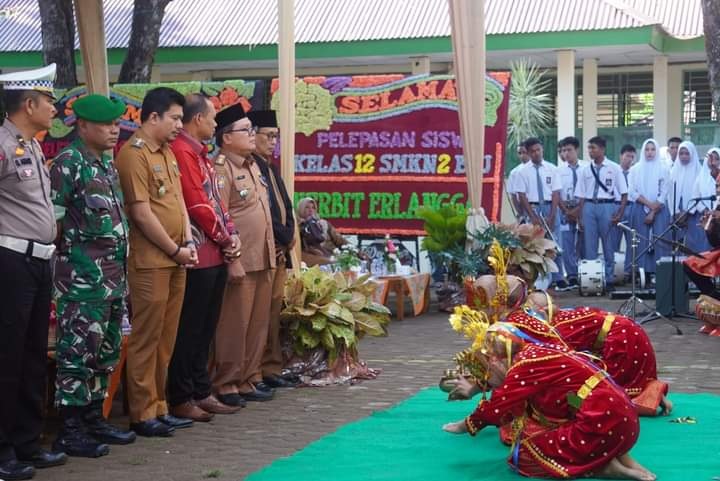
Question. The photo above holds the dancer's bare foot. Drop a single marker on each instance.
(627, 461)
(666, 405)
(616, 470)
(458, 427)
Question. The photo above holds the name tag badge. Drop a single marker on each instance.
(608, 182)
(157, 168)
(548, 180)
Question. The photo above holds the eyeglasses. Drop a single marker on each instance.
(269, 136)
(248, 130)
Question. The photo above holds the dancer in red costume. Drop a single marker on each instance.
(620, 343)
(571, 419)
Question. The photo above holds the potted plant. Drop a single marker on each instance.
(444, 243)
(326, 315)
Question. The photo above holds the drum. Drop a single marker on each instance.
(591, 277)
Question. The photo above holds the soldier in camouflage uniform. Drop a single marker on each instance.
(90, 278)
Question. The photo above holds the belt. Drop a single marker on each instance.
(29, 248)
(607, 324)
(538, 203)
(600, 201)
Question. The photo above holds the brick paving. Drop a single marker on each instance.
(412, 357)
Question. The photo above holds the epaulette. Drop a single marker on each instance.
(220, 160)
(138, 142)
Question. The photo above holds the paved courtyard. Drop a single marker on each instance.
(412, 357)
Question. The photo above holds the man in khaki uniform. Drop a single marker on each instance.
(281, 210)
(160, 247)
(245, 317)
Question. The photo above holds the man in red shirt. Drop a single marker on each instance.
(218, 247)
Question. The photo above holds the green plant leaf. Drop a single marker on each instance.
(319, 322)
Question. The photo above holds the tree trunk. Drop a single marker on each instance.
(711, 27)
(58, 38)
(144, 38)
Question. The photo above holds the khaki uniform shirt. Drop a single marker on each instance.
(149, 173)
(244, 192)
(26, 211)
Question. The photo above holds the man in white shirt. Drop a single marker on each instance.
(598, 185)
(513, 186)
(627, 159)
(571, 239)
(540, 196)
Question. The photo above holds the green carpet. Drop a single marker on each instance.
(406, 443)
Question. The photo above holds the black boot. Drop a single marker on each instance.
(98, 427)
(73, 439)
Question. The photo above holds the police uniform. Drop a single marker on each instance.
(539, 181)
(242, 331)
(27, 232)
(283, 221)
(149, 173)
(598, 186)
(90, 283)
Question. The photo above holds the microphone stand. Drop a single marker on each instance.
(652, 316)
(630, 304)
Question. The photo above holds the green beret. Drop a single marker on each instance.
(98, 108)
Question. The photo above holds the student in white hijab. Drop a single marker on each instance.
(649, 180)
(704, 187)
(683, 175)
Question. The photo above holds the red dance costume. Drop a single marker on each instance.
(555, 439)
(622, 345)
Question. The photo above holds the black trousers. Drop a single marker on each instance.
(704, 283)
(25, 289)
(188, 376)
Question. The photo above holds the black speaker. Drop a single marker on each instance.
(664, 281)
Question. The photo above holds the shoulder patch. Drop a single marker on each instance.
(138, 142)
(220, 160)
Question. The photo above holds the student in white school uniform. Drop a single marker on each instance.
(704, 187)
(683, 175)
(571, 238)
(627, 159)
(600, 182)
(513, 186)
(649, 180)
(540, 196)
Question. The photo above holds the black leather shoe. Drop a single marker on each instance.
(233, 399)
(98, 427)
(43, 459)
(74, 441)
(257, 396)
(278, 381)
(261, 386)
(152, 428)
(175, 422)
(13, 469)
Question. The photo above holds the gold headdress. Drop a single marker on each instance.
(498, 260)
